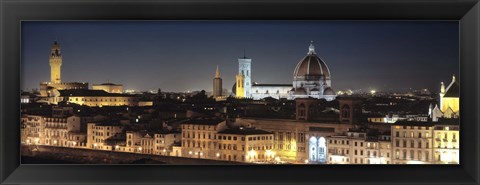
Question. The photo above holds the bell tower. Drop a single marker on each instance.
(55, 63)
(244, 68)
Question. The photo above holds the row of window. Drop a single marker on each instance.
(102, 100)
(198, 127)
(412, 135)
(412, 144)
(288, 136)
(411, 155)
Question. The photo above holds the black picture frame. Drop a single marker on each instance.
(467, 12)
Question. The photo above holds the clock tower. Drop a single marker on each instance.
(244, 68)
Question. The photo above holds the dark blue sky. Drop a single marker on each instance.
(182, 55)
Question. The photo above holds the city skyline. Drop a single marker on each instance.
(160, 54)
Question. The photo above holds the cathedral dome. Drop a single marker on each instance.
(311, 67)
(328, 91)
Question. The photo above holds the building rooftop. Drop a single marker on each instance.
(244, 131)
(204, 121)
(414, 123)
(453, 91)
(109, 84)
(93, 93)
(448, 121)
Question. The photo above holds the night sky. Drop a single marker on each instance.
(182, 55)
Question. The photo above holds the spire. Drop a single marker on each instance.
(244, 54)
(217, 73)
(442, 88)
(311, 48)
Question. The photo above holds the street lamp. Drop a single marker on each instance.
(95, 146)
(116, 147)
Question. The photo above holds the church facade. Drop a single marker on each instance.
(311, 79)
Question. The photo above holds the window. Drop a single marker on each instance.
(419, 135)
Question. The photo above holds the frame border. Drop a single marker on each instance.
(467, 12)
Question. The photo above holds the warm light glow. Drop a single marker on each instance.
(373, 92)
(277, 159)
(218, 154)
(190, 152)
(306, 161)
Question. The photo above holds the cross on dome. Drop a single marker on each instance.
(311, 48)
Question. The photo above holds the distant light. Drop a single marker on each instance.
(306, 161)
(373, 91)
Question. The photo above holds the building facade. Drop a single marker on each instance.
(412, 142)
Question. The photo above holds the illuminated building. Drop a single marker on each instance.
(240, 82)
(32, 129)
(449, 97)
(109, 87)
(217, 84)
(55, 63)
(245, 145)
(412, 142)
(199, 137)
(311, 78)
(155, 142)
(446, 142)
(359, 147)
(449, 102)
(244, 69)
(96, 98)
(99, 135)
(58, 129)
(46, 88)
